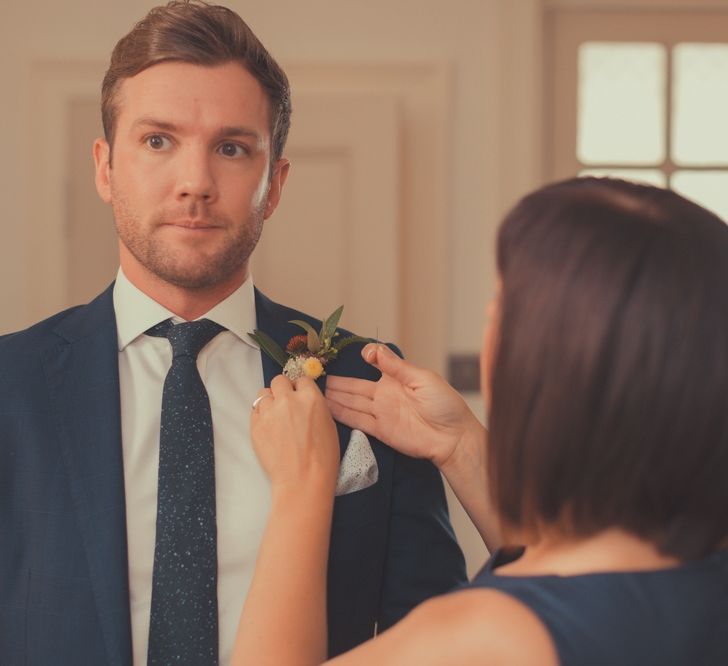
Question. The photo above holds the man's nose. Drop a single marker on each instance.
(195, 179)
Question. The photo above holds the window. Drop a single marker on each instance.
(650, 101)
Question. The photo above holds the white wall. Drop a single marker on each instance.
(491, 47)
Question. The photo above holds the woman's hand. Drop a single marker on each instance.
(418, 413)
(296, 442)
(294, 435)
(411, 409)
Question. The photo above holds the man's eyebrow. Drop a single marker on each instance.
(232, 131)
(238, 131)
(148, 121)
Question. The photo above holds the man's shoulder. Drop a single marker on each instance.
(22, 358)
(35, 336)
(76, 321)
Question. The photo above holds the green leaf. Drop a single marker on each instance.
(270, 347)
(328, 328)
(345, 342)
(314, 343)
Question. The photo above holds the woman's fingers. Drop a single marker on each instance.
(353, 418)
(281, 385)
(294, 435)
(353, 385)
(305, 385)
(384, 359)
(353, 401)
(264, 395)
(352, 409)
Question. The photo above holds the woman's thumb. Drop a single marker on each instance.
(385, 360)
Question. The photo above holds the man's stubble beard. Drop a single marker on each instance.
(149, 249)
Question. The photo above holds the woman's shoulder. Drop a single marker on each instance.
(472, 626)
(494, 624)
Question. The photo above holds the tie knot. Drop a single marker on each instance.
(188, 338)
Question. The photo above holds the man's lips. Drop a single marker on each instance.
(192, 225)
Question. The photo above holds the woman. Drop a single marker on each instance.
(605, 368)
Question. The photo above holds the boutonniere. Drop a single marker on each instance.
(307, 354)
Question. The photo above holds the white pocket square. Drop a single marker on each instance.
(358, 466)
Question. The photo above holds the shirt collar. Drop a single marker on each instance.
(136, 312)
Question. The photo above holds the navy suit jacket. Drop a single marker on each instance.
(64, 590)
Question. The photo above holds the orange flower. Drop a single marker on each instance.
(297, 344)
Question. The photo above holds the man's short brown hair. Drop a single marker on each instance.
(201, 34)
(610, 378)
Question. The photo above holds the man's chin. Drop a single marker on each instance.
(200, 273)
(198, 281)
(191, 267)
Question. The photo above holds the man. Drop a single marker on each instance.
(103, 561)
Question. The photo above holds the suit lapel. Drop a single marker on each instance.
(274, 319)
(83, 382)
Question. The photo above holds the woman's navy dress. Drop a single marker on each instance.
(676, 616)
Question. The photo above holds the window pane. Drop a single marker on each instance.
(700, 104)
(648, 176)
(621, 114)
(708, 188)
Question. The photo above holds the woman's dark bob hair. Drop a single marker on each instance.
(610, 381)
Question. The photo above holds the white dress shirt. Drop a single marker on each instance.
(231, 369)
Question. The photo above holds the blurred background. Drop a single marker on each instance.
(417, 124)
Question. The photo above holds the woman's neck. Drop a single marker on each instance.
(609, 550)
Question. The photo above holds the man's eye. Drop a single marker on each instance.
(230, 149)
(158, 142)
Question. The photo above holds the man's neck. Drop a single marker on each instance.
(189, 304)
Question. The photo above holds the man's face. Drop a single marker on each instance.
(189, 178)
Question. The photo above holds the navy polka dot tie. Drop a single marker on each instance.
(183, 620)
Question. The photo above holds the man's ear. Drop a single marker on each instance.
(102, 153)
(277, 181)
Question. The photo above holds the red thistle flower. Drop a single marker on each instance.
(297, 344)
